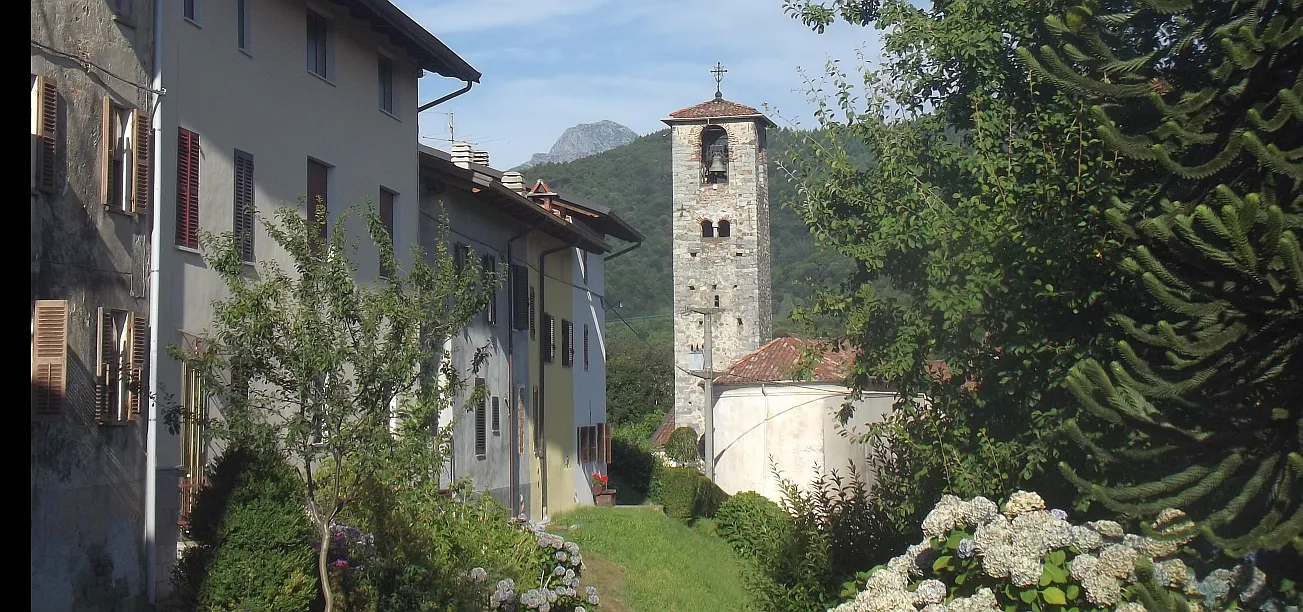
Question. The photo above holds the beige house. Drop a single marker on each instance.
(776, 410)
(166, 121)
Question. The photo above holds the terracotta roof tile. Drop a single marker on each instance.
(778, 361)
(718, 107)
(663, 431)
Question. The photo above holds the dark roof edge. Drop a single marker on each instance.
(447, 62)
(708, 120)
(629, 233)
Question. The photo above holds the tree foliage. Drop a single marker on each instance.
(985, 270)
(342, 376)
(1204, 409)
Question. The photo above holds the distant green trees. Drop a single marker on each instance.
(1204, 409)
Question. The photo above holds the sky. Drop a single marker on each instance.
(551, 64)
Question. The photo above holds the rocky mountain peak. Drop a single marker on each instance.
(583, 140)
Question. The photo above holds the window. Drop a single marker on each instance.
(717, 301)
(387, 219)
(190, 10)
(45, 130)
(518, 403)
(567, 343)
(459, 254)
(520, 303)
(585, 347)
(243, 28)
(714, 155)
(125, 173)
(595, 443)
(121, 352)
(549, 346)
(318, 199)
(194, 410)
(725, 229)
(707, 229)
(481, 442)
(497, 415)
(49, 357)
(187, 189)
(320, 46)
(586, 443)
(242, 224)
(532, 310)
(386, 73)
(488, 264)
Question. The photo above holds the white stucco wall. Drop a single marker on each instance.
(266, 103)
(794, 429)
(590, 381)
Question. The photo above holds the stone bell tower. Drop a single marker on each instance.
(721, 243)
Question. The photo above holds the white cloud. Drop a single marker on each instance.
(451, 16)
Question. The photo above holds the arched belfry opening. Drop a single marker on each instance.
(725, 228)
(714, 155)
(707, 229)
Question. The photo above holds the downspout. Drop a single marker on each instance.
(429, 105)
(542, 371)
(155, 248)
(622, 251)
(514, 443)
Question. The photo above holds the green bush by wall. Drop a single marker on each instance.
(682, 445)
(252, 540)
(685, 493)
(754, 525)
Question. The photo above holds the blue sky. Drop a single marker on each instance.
(550, 64)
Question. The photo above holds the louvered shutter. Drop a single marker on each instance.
(243, 223)
(583, 447)
(318, 202)
(538, 425)
(605, 453)
(497, 416)
(48, 94)
(138, 365)
(519, 297)
(106, 152)
(49, 375)
(141, 187)
(187, 189)
(106, 369)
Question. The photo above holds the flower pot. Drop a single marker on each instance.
(597, 490)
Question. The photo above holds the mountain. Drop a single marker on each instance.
(634, 180)
(582, 141)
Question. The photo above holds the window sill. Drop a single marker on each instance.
(186, 249)
(245, 51)
(125, 21)
(481, 457)
(193, 22)
(324, 79)
(118, 211)
(391, 115)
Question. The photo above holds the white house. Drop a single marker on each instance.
(776, 410)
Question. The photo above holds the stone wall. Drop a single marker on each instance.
(729, 274)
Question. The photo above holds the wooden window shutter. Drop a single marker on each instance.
(49, 131)
(532, 316)
(583, 444)
(538, 425)
(243, 224)
(585, 347)
(106, 363)
(481, 437)
(497, 417)
(519, 297)
(50, 340)
(600, 430)
(318, 199)
(549, 339)
(141, 188)
(489, 264)
(605, 455)
(187, 189)
(138, 365)
(48, 94)
(106, 152)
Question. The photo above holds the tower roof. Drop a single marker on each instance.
(717, 108)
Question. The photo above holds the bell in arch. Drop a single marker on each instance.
(717, 163)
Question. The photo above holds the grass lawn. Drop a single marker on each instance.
(643, 561)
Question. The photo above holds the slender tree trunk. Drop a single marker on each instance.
(323, 566)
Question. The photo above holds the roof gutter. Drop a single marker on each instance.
(429, 105)
(622, 251)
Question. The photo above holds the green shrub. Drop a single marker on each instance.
(252, 540)
(632, 463)
(754, 525)
(685, 493)
(682, 446)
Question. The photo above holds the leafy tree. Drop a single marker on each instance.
(341, 376)
(1204, 410)
(984, 268)
(639, 380)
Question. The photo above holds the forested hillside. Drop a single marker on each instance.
(634, 180)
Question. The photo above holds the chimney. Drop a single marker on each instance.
(480, 157)
(514, 181)
(461, 154)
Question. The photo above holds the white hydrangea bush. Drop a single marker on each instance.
(978, 556)
(557, 589)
